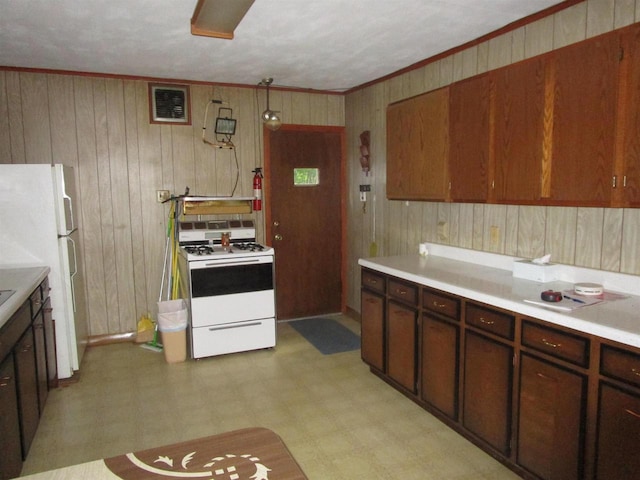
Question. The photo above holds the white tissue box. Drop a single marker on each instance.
(537, 272)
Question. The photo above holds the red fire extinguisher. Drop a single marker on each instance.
(257, 189)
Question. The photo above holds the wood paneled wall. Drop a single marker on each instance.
(101, 127)
(600, 238)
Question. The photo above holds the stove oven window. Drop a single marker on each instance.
(227, 280)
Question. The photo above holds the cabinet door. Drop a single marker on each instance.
(25, 360)
(519, 131)
(50, 340)
(401, 345)
(372, 329)
(439, 377)
(10, 449)
(550, 436)
(41, 360)
(487, 390)
(469, 142)
(417, 147)
(629, 107)
(618, 435)
(584, 119)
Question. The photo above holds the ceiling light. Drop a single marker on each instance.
(218, 18)
(270, 117)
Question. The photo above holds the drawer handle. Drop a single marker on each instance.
(252, 324)
(372, 281)
(401, 292)
(635, 371)
(632, 413)
(542, 375)
(550, 344)
(439, 305)
(486, 322)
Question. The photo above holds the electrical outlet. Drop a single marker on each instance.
(163, 195)
(494, 234)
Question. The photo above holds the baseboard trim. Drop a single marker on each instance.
(97, 340)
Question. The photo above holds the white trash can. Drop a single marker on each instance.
(172, 323)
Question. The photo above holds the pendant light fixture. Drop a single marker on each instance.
(270, 117)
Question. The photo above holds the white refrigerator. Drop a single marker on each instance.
(39, 226)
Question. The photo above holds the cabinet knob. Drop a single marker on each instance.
(635, 371)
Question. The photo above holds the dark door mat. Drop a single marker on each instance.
(327, 335)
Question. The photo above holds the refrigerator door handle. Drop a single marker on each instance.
(74, 271)
(72, 223)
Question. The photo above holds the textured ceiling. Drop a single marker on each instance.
(317, 44)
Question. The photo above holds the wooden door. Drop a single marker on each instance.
(469, 139)
(10, 448)
(487, 390)
(401, 344)
(372, 329)
(519, 131)
(304, 222)
(584, 119)
(417, 147)
(628, 173)
(440, 342)
(618, 434)
(550, 436)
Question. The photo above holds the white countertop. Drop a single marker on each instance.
(24, 281)
(617, 320)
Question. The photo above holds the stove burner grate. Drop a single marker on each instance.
(249, 246)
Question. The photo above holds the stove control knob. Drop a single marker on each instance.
(277, 236)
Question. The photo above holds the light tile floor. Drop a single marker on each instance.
(338, 419)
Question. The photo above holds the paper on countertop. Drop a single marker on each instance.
(570, 301)
(545, 259)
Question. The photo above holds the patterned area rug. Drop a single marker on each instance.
(327, 335)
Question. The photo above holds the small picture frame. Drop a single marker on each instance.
(169, 104)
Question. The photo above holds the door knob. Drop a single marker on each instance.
(276, 223)
(277, 236)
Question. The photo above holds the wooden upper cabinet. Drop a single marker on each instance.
(584, 122)
(469, 139)
(628, 170)
(518, 108)
(417, 147)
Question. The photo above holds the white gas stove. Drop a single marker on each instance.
(229, 281)
(202, 240)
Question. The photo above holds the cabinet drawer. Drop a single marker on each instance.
(373, 281)
(440, 303)
(619, 364)
(554, 342)
(403, 291)
(498, 323)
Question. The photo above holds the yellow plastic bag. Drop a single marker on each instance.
(146, 327)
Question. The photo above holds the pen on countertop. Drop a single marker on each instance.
(574, 299)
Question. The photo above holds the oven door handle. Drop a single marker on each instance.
(228, 262)
(228, 327)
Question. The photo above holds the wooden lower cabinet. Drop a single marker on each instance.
(401, 344)
(618, 434)
(372, 329)
(550, 402)
(25, 364)
(10, 448)
(488, 373)
(439, 365)
(551, 419)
